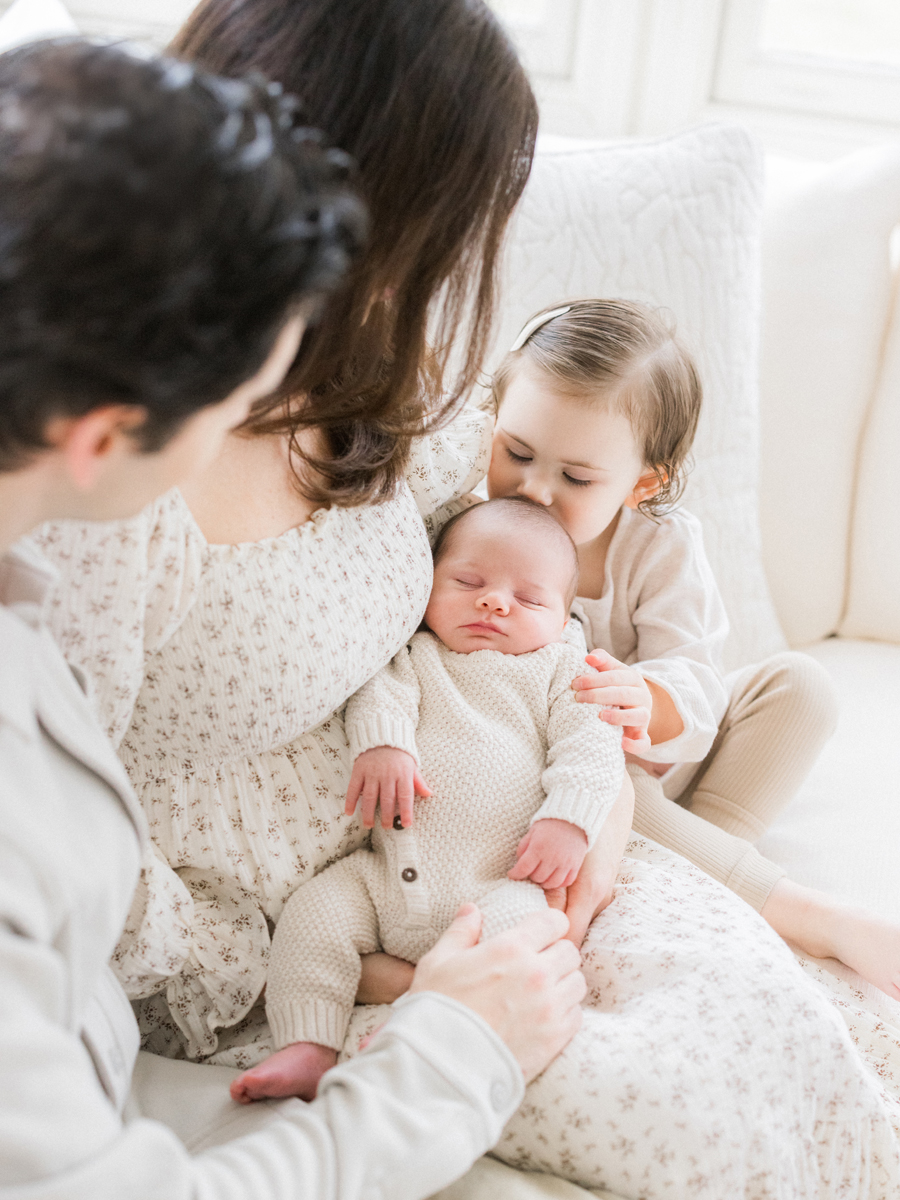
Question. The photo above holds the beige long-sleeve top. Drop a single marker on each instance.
(661, 612)
(397, 1123)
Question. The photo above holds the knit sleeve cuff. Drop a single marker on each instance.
(382, 729)
(754, 877)
(579, 806)
(317, 1021)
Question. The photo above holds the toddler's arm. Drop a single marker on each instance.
(389, 778)
(680, 626)
(643, 709)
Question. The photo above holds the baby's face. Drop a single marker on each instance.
(499, 586)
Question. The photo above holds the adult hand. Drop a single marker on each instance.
(526, 983)
(384, 979)
(595, 886)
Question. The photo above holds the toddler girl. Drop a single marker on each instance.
(597, 409)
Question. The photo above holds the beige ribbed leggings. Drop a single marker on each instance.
(781, 713)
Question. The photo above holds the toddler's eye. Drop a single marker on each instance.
(519, 458)
(578, 482)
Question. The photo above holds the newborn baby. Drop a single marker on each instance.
(478, 708)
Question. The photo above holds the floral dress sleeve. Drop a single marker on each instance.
(124, 588)
(445, 466)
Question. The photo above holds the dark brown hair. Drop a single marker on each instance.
(159, 227)
(429, 98)
(625, 355)
(521, 511)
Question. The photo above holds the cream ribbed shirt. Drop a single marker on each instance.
(661, 612)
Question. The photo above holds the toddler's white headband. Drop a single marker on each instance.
(535, 323)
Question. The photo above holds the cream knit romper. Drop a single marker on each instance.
(501, 742)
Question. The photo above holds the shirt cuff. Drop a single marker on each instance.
(464, 1050)
(382, 729)
(584, 808)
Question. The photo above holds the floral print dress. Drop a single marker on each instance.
(220, 672)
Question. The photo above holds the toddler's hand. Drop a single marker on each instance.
(551, 854)
(623, 693)
(389, 778)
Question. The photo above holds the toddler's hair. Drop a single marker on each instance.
(522, 512)
(627, 355)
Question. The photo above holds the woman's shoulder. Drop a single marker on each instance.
(450, 462)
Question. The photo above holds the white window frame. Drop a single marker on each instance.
(843, 88)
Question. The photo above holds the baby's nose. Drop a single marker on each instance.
(494, 601)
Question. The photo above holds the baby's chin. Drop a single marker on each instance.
(462, 641)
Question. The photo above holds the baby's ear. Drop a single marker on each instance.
(646, 488)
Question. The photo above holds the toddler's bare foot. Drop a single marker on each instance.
(293, 1071)
(870, 945)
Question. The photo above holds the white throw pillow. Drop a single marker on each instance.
(673, 222)
(30, 20)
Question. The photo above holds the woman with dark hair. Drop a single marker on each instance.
(225, 627)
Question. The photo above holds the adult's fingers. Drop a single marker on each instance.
(561, 959)
(539, 930)
(462, 932)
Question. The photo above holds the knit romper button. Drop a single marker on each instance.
(409, 875)
(398, 822)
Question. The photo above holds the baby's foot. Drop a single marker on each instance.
(293, 1071)
(870, 945)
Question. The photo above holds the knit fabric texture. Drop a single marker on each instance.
(501, 742)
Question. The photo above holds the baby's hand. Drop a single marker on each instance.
(389, 778)
(625, 698)
(551, 854)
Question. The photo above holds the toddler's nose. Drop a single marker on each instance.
(536, 490)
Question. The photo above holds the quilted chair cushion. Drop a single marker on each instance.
(674, 222)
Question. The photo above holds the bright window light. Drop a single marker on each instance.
(860, 30)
